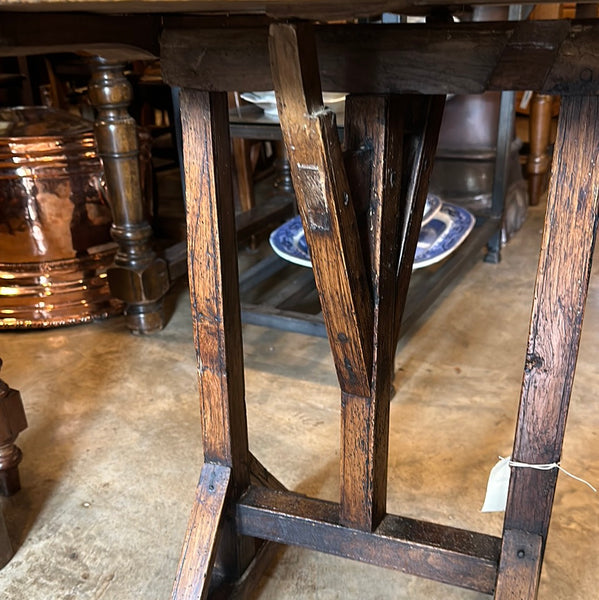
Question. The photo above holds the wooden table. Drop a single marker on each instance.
(361, 209)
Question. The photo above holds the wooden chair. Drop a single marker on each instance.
(543, 108)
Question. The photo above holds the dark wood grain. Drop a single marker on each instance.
(464, 58)
(213, 278)
(520, 566)
(112, 37)
(423, 122)
(203, 533)
(313, 9)
(6, 551)
(244, 587)
(266, 551)
(437, 552)
(559, 301)
(261, 476)
(324, 202)
(374, 134)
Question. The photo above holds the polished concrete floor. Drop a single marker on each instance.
(113, 449)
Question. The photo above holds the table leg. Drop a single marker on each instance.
(6, 552)
(138, 276)
(539, 160)
(560, 295)
(12, 422)
(212, 544)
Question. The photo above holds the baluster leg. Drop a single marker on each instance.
(539, 160)
(138, 276)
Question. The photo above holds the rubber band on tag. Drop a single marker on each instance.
(547, 467)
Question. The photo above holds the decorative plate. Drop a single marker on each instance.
(446, 230)
(289, 242)
(443, 234)
(268, 103)
(431, 208)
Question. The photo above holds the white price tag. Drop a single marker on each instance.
(497, 487)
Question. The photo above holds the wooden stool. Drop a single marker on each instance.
(361, 214)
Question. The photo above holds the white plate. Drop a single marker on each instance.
(268, 103)
(448, 228)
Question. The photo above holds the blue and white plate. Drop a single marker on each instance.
(442, 235)
(289, 242)
(431, 207)
(446, 230)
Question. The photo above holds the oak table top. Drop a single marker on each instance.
(309, 9)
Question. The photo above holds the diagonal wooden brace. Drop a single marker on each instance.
(423, 122)
(324, 202)
(203, 534)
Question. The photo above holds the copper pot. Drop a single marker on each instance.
(55, 243)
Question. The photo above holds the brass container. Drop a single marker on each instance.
(55, 243)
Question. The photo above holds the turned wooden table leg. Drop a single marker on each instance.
(539, 160)
(6, 552)
(138, 276)
(12, 422)
(560, 295)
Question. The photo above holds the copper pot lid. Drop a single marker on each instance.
(44, 138)
(40, 122)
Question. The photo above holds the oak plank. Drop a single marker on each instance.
(520, 565)
(374, 129)
(203, 533)
(324, 202)
(214, 292)
(314, 9)
(554, 337)
(114, 37)
(432, 58)
(463, 558)
(213, 275)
